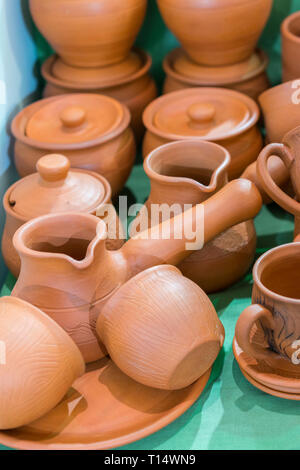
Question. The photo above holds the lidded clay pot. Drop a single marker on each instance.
(248, 77)
(128, 82)
(226, 117)
(38, 363)
(91, 130)
(215, 32)
(161, 329)
(290, 39)
(89, 33)
(55, 189)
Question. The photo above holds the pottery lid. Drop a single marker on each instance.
(74, 119)
(207, 113)
(55, 189)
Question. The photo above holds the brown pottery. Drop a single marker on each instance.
(215, 32)
(91, 130)
(290, 38)
(89, 33)
(226, 117)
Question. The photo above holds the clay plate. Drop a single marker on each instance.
(104, 409)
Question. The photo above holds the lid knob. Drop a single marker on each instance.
(53, 167)
(73, 116)
(201, 113)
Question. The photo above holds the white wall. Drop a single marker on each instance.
(17, 83)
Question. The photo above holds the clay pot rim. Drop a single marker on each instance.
(274, 90)
(196, 6)
(19, 125)
(153, 107)
(47, 75)
(106, 199)
(177, 179)
(285, 27)
(259, 266)
(100, 235)
(167, 66)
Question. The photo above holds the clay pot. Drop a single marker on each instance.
(89, 33)
(55, 189)
(205, 27)
(128, 82)
(225, 117)
(184, 174)
(290, 38)
(276, 305)
(283, 102)
(161, 329)
(91, 130)
(248, 77)
(67, 270)
(38, 363)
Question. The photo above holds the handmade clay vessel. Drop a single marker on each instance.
(128, 82)
(248, 77)
(225, 117)
(67, 271)
(161, 329)
(204, 27)
(38, 363)
(276, 306)
(281, 109)
(54, 189)
(290, 38)
(89, 33)
(91, 130)
(183, 174)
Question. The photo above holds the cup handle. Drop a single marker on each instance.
(243, 328)
(266, 181)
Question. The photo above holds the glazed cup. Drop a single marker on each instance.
(290, 35)
(276, 305)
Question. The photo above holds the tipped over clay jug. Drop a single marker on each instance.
(67, 271)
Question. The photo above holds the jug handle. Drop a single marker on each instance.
(268, 184)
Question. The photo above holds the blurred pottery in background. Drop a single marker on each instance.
(128, 82)
(225, 117)
(249, 77)
(91, 130)
(205, 27)
(135, 327)
(290, 38)
(89, 33)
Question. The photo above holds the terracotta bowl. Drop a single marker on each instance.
(38, 363)
(290, 35)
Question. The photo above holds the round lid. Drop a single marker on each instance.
(208, 113)
(70, 119)
(56, 188)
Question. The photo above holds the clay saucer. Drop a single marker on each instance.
(270, 391)
(104, 409)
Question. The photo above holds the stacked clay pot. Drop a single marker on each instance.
(93, 40)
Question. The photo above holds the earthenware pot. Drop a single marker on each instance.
(128, 82)
(67, 270)
(89, 33)
(225, 117)
(290, 38)
(205, 27)
(54, 189)
(249, 77)
(276, 305)
(91, 130)
(281, 109)
(38, 363)
(183, 174)
(161, 329)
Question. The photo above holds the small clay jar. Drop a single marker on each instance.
(248, 77)
(290, 38)
(161, 329)
(89, 33)
(38, 363)
(205, 27)
(226, 117)
(91, 130)
(128, 82)
(55, 189)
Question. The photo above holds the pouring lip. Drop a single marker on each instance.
(25, 230)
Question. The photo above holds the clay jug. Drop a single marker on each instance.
(68, 272)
